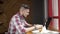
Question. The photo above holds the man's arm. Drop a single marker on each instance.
(27, 24)
(20, 27)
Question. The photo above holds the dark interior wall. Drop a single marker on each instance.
(38, 11)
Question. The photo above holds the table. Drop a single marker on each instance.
(44, 31)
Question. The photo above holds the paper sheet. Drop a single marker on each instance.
(45, 31)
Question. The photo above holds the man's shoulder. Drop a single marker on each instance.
(15, 16)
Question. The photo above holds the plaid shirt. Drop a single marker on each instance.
(16, 25)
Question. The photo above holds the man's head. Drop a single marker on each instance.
(24, 10)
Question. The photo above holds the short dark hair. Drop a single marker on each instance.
(25, 6)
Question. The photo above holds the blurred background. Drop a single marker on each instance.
(40, 11)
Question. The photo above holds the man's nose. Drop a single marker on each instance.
(28, 11)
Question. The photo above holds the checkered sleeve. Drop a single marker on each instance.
(18, 25)
(10, 29)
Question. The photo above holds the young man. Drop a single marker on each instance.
(18, 23)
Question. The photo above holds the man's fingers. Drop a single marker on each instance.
(39, 26)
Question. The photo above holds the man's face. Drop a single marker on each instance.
(26, 12)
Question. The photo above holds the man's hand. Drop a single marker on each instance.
(39, 26)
